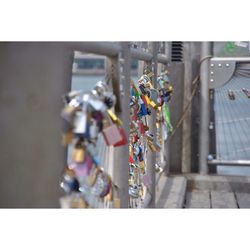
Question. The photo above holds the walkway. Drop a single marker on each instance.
(195, 191)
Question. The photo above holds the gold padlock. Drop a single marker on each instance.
(114, 118)
(142, 166)
(152, 103)
(79, 154)
(67, 138)
(152, 146)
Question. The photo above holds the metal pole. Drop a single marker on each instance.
(151, 156)
(113, 49)
(121, 169)
(206, 50)
(243, 163)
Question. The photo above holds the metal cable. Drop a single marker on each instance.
(195, 83)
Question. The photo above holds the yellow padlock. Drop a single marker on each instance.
(114, 118)
(153, 104)
(147, 100)
(67, 138)
(79, 154)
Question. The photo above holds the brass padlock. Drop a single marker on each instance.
(114, 118)
(67, 138)
(78, 154)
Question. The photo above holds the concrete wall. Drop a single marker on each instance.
(33, 77)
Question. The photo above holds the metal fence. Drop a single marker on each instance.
(118, 76)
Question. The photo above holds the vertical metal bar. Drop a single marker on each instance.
(151, 160)
(204, 109)
(121, 169)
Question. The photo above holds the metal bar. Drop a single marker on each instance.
(100, 48)
(147, 57)
(162, 59)
(141, 55)
(234, 59)
(113, 49)
(151, 156)
(206, 50)
(121, 169)
(243, 163)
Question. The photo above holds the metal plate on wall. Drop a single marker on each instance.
(221, 71)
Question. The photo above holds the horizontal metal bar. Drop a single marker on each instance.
(99, 48)
(245, 163)
(162, 59)
(234, 59)
(141, 55)
(113, 49)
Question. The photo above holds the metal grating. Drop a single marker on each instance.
(176, 51)
(232, 124)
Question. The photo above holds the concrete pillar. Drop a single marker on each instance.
(33, 78)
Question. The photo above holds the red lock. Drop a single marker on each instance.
(141, 128)
(124, 140)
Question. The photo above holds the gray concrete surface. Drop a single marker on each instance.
(170, 192)
(33, 78)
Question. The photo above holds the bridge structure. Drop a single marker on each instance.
(35, 75)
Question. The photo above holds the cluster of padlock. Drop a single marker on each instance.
(144, 100)
(89, 116)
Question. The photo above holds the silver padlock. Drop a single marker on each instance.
(134, 191)
(81, 121)
(93, 129)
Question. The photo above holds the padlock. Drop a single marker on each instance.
(97, 104)
(112, 135)
(101, 87)
(71, 95)
(134, 191)
(81, 123)
(78, 154)
(83, 168)
(67, 138)
(142, 109)
(114, 118)
(131, 160)
(142, 166)
(166, 116)
(136, 88)
(124, 140)
(141, 127)
(154, 96)
(145, 99)
(93, 129)
(158, 168)
(69, 183)
(143, 90)
(68, 113)
(109, 99)
(102, 185)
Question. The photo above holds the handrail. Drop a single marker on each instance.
(113, 49)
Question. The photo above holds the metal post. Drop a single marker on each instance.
(204, 108)
(121, 169)
(152, 120)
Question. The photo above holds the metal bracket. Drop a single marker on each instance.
(220, 71)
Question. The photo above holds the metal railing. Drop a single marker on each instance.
(212, 76)
(119, 57)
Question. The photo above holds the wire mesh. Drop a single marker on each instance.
(232, 124)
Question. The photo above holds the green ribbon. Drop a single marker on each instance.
(166, 116)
